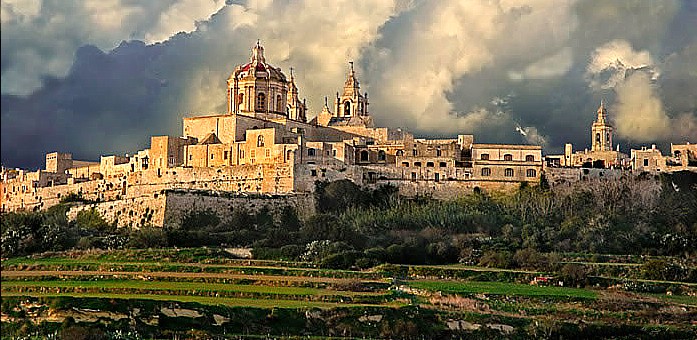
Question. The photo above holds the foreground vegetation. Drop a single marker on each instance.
(608, 259)
(48, 295)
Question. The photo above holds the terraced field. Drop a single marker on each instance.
(166, 293)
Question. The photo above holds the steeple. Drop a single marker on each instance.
(351, 85)
(602, 114)
(601, 131)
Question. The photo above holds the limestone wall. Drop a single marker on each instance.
(170, 207)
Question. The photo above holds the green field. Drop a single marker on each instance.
(191, 286)
(270, 297)
(501, 288)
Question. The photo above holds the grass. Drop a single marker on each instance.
(95, 264)
(232, 302)
(681, 299)
(198, 286)
(501, 288)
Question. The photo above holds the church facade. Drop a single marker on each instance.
(264, 144)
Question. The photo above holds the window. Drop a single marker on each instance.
(240, 98)
(485, 157)
(399, 153)
(289, 155)
(268, 153)
(438, 153)
(191, 157)
(508, 157)
(529, 158)
(334, 152)
(437, 177)
(429, 164)
(414, 152)
(279, 103)
(311, 152)
(413, 176)
(261, 102)
(364, 156)
(260, 141)
(508, 172)
(381, 155)
(530, 173)
(212, 156)
(646, 162)
(347, 108)
(486, 172)
(405, 164)
(607, 137)
(313, 173)
(224, 154)
(417, 164)
(597, 138)
(443, 164)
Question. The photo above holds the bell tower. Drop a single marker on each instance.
(351, 103)
(601, 132)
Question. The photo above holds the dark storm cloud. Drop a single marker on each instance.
(509, 71)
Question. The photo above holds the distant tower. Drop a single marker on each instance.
(351, 103)
(601, 132)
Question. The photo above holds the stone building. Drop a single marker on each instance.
(601, 154)
(264, 144)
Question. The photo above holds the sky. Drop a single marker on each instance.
(99, 77)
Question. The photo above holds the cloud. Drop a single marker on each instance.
(437, 68)
(611, 63)
(640, 115)
(418, 72)
(40, 38)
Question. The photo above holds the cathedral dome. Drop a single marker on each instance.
(258, 68)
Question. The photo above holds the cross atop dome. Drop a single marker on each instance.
(351, 81)
(258, 53)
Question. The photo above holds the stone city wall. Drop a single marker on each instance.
(170, 207)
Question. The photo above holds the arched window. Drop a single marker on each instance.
(486, 172)
(531, 173)
(260, 141)
(239, 100)
(438, 153)
(347, 108)
(364, 156)
(261, 102)
(508, 172)
(381, 155)
(508, 157)
(399, 153)
(607, 137)
(529, 158)
(597, 138)
(279, 103)
(485, 157)
(311, 152)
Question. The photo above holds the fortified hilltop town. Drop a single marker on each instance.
(264, 148)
